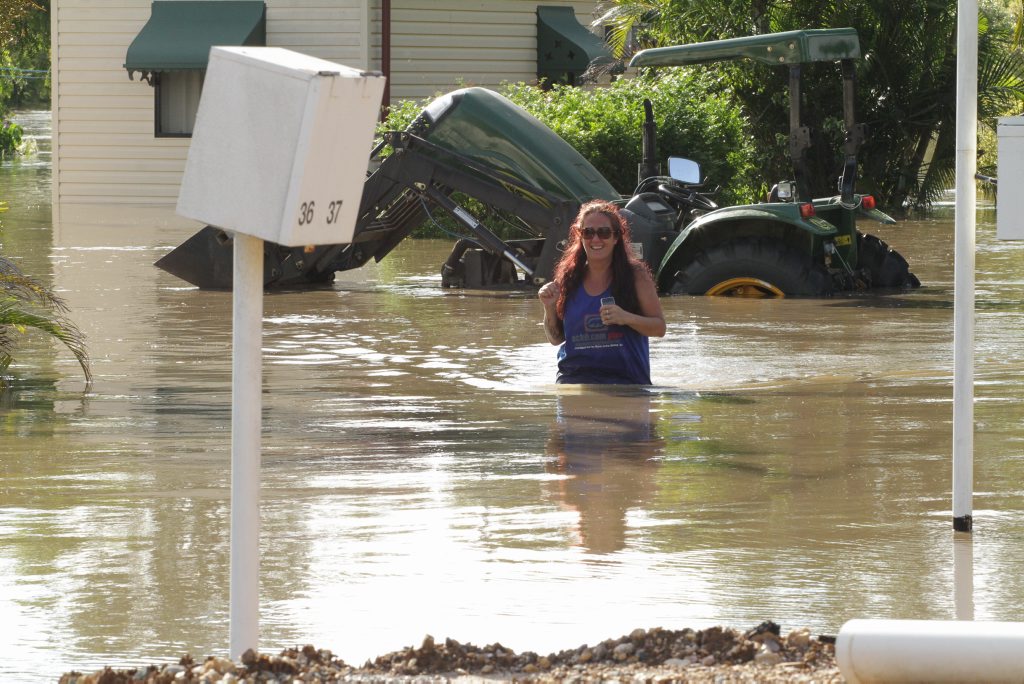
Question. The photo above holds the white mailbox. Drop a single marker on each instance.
(280, 146)
(1010, 192)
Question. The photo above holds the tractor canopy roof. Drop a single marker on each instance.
(780, 49)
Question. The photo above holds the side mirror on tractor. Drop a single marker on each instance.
(684, 170)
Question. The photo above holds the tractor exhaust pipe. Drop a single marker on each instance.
(649, 164)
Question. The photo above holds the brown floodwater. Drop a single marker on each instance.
(423, 475)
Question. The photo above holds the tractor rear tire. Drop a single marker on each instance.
(752, 267)
(885, 267)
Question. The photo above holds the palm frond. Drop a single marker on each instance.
(26, 304)
(623, 19)
(20, 286)
(14, 318)
(1000, 82)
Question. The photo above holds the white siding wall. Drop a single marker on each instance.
(103, 145)
(106, 158)
(437, 44)
(335, 30)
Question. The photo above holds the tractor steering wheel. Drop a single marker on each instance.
(686, 196)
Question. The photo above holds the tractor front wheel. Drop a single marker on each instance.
(752, 267)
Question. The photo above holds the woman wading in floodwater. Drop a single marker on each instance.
(601, 305)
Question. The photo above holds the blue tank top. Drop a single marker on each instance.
(595, 353)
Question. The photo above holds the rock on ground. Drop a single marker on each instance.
(719, 655)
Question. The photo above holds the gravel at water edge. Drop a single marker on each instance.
(720, 655)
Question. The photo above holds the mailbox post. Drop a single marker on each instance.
(279, 152)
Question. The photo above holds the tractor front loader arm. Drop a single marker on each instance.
(419, 177)
(398, 197)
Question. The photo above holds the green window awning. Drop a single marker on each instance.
(565, 48)
(179, 33)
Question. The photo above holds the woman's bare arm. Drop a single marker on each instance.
(553, 328)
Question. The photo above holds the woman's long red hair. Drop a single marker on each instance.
(571, 267)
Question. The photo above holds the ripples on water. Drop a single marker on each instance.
(422, 474)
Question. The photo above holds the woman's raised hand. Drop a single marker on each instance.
(548, 294)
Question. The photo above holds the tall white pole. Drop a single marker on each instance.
(246, 421)
(963, 283)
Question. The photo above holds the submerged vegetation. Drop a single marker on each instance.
(27, 305)
(10, 139)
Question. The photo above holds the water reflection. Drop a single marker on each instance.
(605, 443)
(963, 576)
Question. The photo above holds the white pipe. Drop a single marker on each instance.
(246, 420)
(963, 278)
(930, 651)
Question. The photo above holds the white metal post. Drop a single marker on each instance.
(963, 282)
(246, 421)
(270, 173)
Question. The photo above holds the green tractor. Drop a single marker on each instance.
(791, 244)
(474, 143)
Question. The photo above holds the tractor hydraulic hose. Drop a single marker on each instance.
(460, 248)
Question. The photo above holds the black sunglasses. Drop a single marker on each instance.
(604, 232)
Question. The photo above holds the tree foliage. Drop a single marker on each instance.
(24, 52)
(12, 14)
(906, 82)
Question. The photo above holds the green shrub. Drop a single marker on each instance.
(693, 120)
